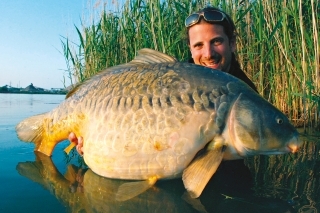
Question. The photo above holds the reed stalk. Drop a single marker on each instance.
(286, 176)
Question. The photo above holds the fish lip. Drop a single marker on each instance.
(294, 145)
(293, 148)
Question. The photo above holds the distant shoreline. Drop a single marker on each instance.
(31, 89)
(42, 92)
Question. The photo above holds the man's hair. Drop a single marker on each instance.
(227, 23)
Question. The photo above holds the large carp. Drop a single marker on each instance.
(148, 120)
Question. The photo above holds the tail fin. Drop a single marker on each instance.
(32, 130)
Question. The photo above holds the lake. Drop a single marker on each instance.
(32, 182)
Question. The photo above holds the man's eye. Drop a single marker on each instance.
(197, 45)
(217, 41)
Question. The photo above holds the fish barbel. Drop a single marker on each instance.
(149, 118)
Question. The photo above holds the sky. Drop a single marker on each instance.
(30, 40)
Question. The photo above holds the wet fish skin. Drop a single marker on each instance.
(150, 117)
(170, 116)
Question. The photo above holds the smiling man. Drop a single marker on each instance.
(211, 38)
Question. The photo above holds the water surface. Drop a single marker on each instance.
(32, 182)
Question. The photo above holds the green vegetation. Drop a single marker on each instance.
(289, 175)
(278, 45)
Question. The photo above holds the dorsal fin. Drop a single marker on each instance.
(144, 56)
(73, 90)
(149, 56)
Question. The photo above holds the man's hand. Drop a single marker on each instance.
(77, 140)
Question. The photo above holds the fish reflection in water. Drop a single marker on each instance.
(81, 190)
(84, 191)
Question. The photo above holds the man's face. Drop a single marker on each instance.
(210, 46)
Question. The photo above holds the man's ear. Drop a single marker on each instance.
(190, 49)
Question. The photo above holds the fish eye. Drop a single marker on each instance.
(279, 120)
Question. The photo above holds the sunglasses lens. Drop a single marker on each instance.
(213, 16)
(192, 19)
(210, 16)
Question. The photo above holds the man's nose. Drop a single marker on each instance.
(208, 51)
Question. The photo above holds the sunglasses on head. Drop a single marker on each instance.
(209, 16)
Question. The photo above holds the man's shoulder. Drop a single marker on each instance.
(239, 73)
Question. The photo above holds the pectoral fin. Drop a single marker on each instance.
(131, 189)
(196, 176)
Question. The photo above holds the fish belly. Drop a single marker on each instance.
(138, 145)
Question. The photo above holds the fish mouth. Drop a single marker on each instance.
(294, 144)
(290, 147)
(293, 148)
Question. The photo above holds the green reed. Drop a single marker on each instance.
(290, 175)
(277, 46)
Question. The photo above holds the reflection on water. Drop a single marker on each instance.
(281, 183)
(15, 107)
(18, 194)
(84, 191)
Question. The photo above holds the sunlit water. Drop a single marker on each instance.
(31, 182)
